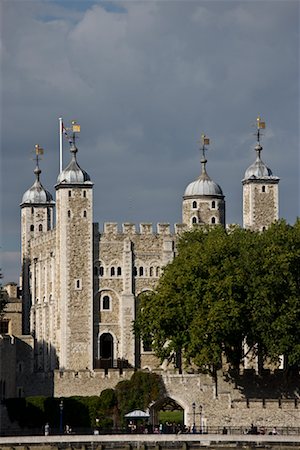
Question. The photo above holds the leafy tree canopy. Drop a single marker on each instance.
(225, 287)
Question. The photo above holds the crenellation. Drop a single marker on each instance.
(146, 228)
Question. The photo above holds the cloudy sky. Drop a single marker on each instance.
(145, 79)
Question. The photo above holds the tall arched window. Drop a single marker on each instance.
(151, 271)
(213, 204)
(263, 189)
(141, 271)
(157, 271)
(194, 204)
(101, 271)
(112, 271)
(119, 271)
(213, 220)
(40, 227)
(194, 220)
(31, 227)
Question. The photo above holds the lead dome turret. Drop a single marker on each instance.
(258, 169)
(37, 194)
(73, 174)
(203, 199)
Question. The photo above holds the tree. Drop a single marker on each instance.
(225, 287)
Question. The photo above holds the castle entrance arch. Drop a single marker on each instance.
(167, 416)
(107, 348)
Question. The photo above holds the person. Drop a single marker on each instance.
(274, 431)
(47, 429)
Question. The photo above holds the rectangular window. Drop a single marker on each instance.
(78, 284)
(4, 326)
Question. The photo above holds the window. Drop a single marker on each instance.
(84, 213)
(78, 284)
(106, 302)
(213, 204)
(32, 210)
(213, 220)
(4, 326)
(194, 220)
(112, 271)
(147, 344)
(157, 271)
(194, 205)
(40, 227)
(151, 271)
(69, 213)
(141, 271)
(31, 227)
(70, 193)
(101, 271)
(263, 189)
(84, 193)
(119, 271)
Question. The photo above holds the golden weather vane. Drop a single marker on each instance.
(203, 142)
(261, 125)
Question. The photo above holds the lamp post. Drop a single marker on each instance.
(200, 411)
(194, 417)
(61, 411)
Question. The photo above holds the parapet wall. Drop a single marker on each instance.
(128, 229)
(228, 408)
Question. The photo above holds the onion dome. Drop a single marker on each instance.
(73, 174)
(258, 169)
(204, 185)
(37, 194)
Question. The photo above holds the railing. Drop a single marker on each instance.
(231, 431)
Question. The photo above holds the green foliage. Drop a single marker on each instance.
(226, 286)
(137, 393)
(109, 408)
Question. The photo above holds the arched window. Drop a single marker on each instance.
(84, 193)
(69, 213)
(194, 220)
(194, 204)
(141, 271)
(151, 271)
(157, 272)
(106, 302)
(112, 271)
(213, 204)
(70, 193)
(84, 213)
(213, 220)
(32, 210)
(40, 227)
(31, 227)
(101, 271)
(119, 271)
(263, 189)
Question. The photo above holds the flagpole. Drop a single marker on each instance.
(60, 145)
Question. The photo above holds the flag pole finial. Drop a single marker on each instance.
(261, 125)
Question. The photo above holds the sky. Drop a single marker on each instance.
(145, 79)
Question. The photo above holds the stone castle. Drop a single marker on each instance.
(80, 287)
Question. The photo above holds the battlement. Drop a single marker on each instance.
(130, 229)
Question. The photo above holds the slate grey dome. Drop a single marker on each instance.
(258, 169)
(37, 194)
(73, 174)
(204, 185)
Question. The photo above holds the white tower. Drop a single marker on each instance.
(260, 191)
(74, 244)
(36, 218)
(203, 199)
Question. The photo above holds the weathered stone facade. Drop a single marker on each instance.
(81, 286)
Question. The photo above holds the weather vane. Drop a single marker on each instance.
(38, 152)
(261, 125)
(204, 141)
